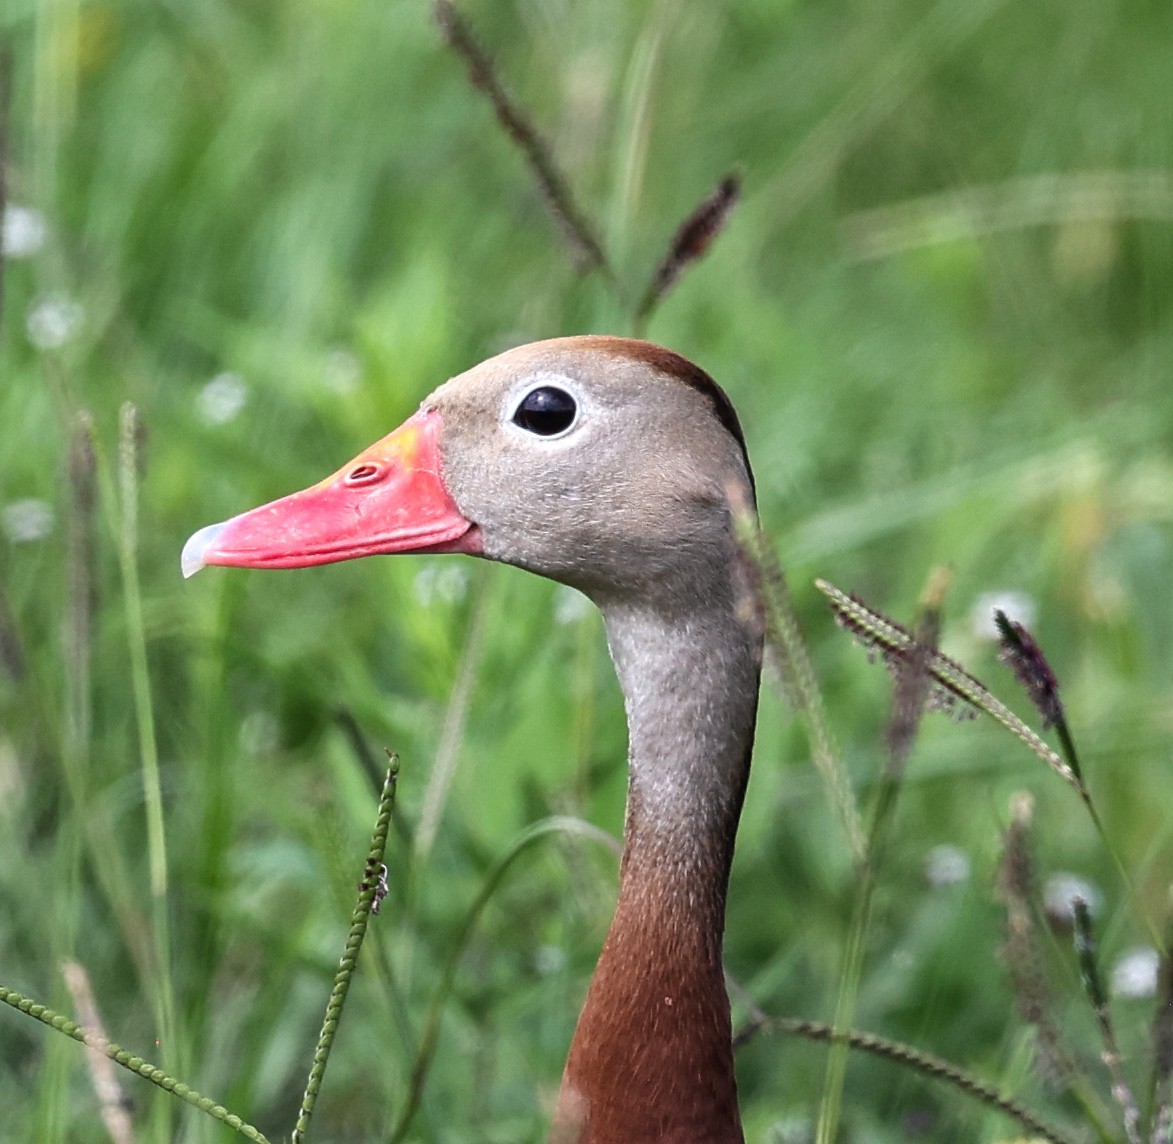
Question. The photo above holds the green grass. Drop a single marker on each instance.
(310, 196)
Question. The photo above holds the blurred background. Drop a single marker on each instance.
(943, 310)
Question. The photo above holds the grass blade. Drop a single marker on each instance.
(973, 212)
(162, 995)
(5, 134)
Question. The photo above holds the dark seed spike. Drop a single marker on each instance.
(691, 241)
(1020, 952)
(1022, 654)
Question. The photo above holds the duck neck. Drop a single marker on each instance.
(652, 1055)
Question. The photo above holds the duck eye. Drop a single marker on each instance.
(546, 411)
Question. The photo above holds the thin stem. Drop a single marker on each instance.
(925, 1063)
(1085, 948)
(368, 898)
(112, 1101)
(795, 671)
(127, 1060)
(1017, 889)
(576, 227)
(846, 996)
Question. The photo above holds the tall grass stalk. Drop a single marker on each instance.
(911, 694)
(692, 239)
(634, 135)
(369, 899)
(794, 670)
(88, 484)
(1160, 1095)
(1058, 1064)
(162, 992)
(5, 148)
(89, 834)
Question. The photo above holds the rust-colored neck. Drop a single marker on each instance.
(652, 1057)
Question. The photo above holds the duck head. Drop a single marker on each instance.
(603, 463)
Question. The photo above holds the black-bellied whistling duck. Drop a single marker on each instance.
(607, 464)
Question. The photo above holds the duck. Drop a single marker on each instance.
(615, 466)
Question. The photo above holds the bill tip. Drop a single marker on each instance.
(193, 556)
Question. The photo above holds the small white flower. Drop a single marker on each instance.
(222, 398)
(1135, 973)
(549, 959)
(260, 733)
(1059, 896)
(26, 520)
(343, 371)
(23, 232)
(442, 581)
(53, 320)
(570, 606)
(791, 1130)
(902, 959)
(946, 865)
(1018, 607)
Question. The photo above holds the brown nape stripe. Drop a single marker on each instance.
(671, 363)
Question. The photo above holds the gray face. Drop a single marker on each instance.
(628, 500)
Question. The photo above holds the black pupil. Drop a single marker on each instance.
(546, 411)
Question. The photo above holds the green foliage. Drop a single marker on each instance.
(942, 308)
